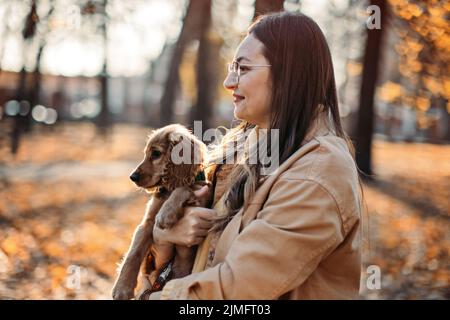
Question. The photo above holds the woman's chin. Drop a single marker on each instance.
(239, 111)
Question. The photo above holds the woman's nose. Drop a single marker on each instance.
(230, 82)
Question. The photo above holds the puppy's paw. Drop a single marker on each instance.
(122, 292)
(165, 221)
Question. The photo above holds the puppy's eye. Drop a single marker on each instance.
(155, 154)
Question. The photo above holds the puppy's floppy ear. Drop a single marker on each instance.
(185, 159)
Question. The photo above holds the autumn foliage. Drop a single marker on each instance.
(66, 200)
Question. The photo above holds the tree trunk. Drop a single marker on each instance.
(207, 61)
(372, 56)
(23, 123)
(36, 80)
(189, 31)
(103, 117)
(34, 92)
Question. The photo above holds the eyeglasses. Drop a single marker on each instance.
(235, 68)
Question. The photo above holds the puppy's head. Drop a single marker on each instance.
(172, 158)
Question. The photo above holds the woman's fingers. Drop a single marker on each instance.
(195, 241)
(198, 225)
(202, 224)
(160, 236)
(202, 231)
(202, 192)
(203, 213)
(191, 229)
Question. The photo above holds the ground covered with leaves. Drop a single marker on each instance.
(68, 211)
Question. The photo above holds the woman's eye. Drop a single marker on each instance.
(155, 154)
(244, 68)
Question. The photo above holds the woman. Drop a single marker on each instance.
(293, 234)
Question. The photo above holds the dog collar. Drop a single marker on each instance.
(200, 176)
(161, 192)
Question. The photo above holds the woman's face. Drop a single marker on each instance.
(251, 96)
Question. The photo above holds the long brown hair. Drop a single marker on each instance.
(303, 85)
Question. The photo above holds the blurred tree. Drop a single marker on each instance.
(266, 6)
(372, 56)
(103, 117)
(34, 92)
(207, 61)
(192, 27)
(98, 9)
(22, 122)
(28, 91)
(424, 58)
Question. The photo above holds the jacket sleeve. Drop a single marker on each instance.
(298, 226)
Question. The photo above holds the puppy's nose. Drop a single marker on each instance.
(135, 177)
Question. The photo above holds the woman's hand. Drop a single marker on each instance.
(192, 228)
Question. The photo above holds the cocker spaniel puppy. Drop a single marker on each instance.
(172, 169)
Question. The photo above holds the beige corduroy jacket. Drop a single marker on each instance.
(299, 237)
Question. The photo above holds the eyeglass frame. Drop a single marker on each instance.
(238, 70)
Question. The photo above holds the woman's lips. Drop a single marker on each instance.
(237, 98)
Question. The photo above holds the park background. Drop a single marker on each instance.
(82, 82)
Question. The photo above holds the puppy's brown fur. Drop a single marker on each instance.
(171, 187)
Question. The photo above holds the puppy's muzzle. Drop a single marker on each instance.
(135, 176)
